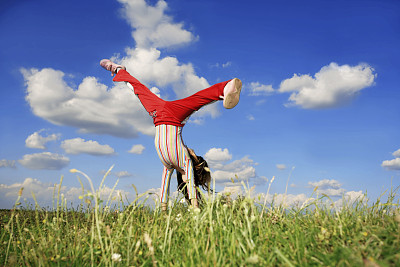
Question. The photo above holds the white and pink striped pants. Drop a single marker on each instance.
(173, 155)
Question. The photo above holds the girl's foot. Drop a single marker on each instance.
(232, 93)
(164, 206)
(194, 202)
(111, 66)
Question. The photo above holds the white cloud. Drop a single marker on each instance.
(285, 199)
(257, 88)
(222, 176)
(44, 193)
(35, 140)
(123, 174)
(152, 27)
(137, 149)
(326, 183)
(250, 117)
(218, 155)
(329, 187)
(223, 172)
(260, 102)
(44, 161)
(290, 199)
(281, 167)
(334, 192)
(396, 153)
(91, 108)
(393, 164)
(80, 146)
(350, 198)
(7, 163)
(119, 174)
(227, 64)
(222, 65)
(332, 86)
(232, 191)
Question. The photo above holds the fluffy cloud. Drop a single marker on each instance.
(137, 149)
(288, 199)
(260, 89)
(119, 174)
(281, 167)
(44, 161)
(217, 155)
(35, 140)
(91, 108)
(393, 164)
(7, 163)
(250, 117)
(222, 65)
(80, 146)
(245, 173)
(396, 153)
(227, 64)
(44, 193)
(242, 169)
(349, 198)
(123, 174)
(332, 86)
(291, 200)
(329, 187)
(232, 191)
(152, 27)
(325, 183)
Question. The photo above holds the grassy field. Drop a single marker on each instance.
(242, 232)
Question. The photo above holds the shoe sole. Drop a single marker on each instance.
(232, 99)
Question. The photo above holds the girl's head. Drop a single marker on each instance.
(202, 174)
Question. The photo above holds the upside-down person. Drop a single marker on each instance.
(169, 117)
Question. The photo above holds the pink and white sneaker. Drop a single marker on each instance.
(110, 66)
(232, 93)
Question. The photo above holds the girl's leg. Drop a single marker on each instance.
(149, 100)
(176, 112)
(174, 155)
(165, 182)
(191, 187)
(228, 91)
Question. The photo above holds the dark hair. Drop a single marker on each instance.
(202, 176)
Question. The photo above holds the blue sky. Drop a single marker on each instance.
(320, 98)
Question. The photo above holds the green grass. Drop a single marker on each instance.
(242, 232)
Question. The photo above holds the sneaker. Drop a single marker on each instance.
(110, 66)
(232, 93)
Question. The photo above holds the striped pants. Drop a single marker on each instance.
(173, 155)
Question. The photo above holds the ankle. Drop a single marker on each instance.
(164, 206)
(194, 202)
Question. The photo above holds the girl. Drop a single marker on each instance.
(169, 117)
